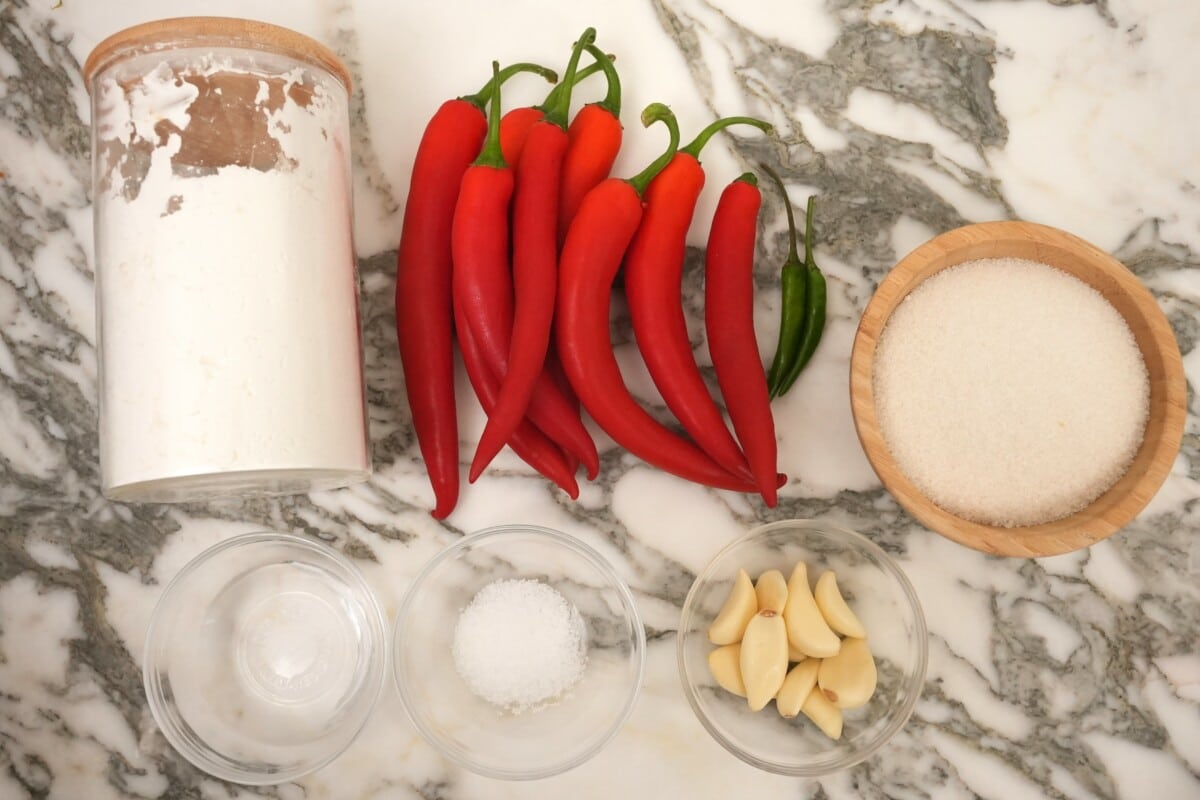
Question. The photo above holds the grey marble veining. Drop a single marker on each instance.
(1075, 676)
(861, 193)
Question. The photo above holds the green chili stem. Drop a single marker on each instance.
(586, 72)
(491, 155)
(480, 99)
(808, 231)
(558, 111)
(696, 145)
(657, 112)
(793, 252)
(612, 100)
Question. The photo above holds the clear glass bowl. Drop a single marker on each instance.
(478, 735)
(264, 658)
(882, 598)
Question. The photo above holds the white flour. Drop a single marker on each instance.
(228, 300)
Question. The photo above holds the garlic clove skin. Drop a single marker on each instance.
(806, 627)
(725, 665)
(735, 614)
(834, 609)
(763, 658)
(796, 688)
(848, 679)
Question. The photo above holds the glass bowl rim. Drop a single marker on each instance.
(557, 538)
(915, 681)
(201, 758)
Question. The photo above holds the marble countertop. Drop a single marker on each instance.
(1069, 677)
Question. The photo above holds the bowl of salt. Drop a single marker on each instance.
(1017, 389)
(518, 652)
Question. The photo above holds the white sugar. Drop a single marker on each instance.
(1009, 392)
(519, 644)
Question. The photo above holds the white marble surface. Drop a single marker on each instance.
(1069, 677)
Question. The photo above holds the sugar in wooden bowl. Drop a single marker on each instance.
(1010, 392)
(1017, 389)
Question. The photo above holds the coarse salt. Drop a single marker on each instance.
(519, 644)
(1009, 392)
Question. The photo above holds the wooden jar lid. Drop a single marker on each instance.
(180, 32)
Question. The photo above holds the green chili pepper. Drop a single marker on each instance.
(814, 312)
(794, 289)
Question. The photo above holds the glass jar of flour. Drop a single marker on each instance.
(226, 288)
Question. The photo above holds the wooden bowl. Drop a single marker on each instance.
(1168, 390)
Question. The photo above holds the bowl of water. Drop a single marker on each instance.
(264, 658)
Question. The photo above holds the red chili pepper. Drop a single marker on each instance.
(423, 294)
(530, 444)
(515, 124)
(552, 411)
(534, 267)
(653, 281)
(729, 323)
(514, 131)
(596, 243)
(593, 141)
(482, 290)
(554, 371)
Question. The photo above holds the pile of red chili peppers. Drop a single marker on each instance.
(513, 236)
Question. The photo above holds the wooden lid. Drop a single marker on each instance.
(181, 32)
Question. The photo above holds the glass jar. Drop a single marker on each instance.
(229, 338)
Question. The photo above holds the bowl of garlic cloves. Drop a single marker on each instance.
(802, 648)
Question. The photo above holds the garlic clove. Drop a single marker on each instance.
(796, 687)
(725, 665)
(834, 609)
(824, 714)
(763, 658)
(771, 591)
(848, 679)
(739, 607)
(806, 628)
